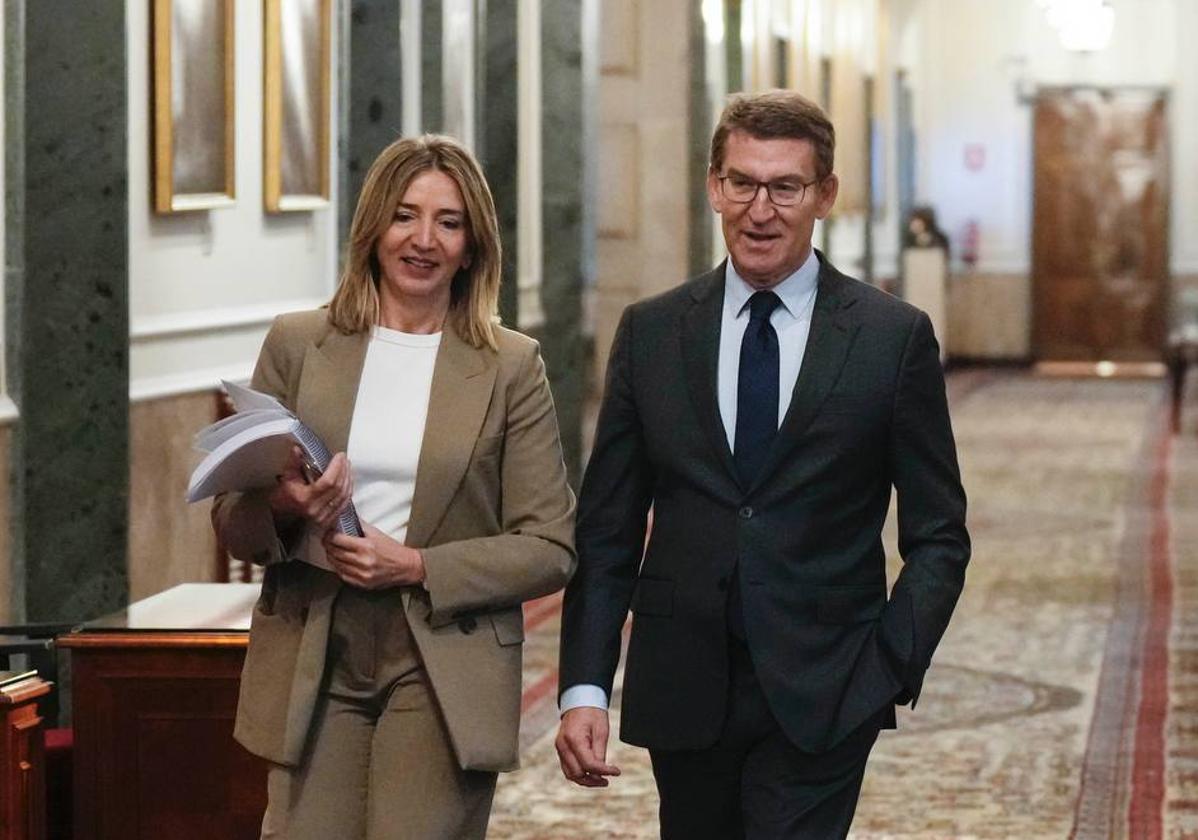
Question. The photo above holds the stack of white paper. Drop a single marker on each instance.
(253, 446)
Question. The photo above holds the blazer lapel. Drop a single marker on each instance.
(463, 379)
(832, 333)
(700, 336)
(329, 386)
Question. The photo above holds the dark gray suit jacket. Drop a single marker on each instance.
(830, 645)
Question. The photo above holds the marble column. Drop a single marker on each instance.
(14, 277)
(734, 49)
(342, 13)
(496, 130)
(867, 254)
(432, 114)
(72, 303)
(825, 102)
(565, 345)
(374, 110)
(701, 119)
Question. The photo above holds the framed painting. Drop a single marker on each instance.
(193, 105)
(296, 104)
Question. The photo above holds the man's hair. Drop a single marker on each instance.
(474, 291)
(776, 114)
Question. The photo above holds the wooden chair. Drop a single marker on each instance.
(36, 642)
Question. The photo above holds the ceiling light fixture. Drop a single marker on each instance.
(1081, 25)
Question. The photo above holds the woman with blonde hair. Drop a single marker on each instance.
(382, 680)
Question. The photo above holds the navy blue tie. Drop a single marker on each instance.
(757, 388)
(756, 416)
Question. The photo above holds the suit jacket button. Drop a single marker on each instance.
(468, 625)
(745, 513)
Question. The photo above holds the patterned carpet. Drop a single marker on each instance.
(1063, 701)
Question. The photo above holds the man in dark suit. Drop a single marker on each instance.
(763, 411)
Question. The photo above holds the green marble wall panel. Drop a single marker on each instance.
(701, 120)
(496, 137)
(375, 108)
(73, 386)
(342, 12)
(563, 339)
(14, 280)
(6, 576)
(432, 112)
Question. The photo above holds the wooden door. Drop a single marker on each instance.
(1100, 225)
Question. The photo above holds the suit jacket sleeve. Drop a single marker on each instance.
(613, 506)
(534, 555)
(933, 541)
(243, 520)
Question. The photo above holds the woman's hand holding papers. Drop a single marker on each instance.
(375, 561)
(316, 498)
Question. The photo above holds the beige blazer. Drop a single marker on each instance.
(492, 512)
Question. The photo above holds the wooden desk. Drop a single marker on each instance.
(154, 696)
(22, 774)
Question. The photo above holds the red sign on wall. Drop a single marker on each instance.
(975, 157)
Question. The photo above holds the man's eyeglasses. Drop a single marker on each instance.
(784, 193)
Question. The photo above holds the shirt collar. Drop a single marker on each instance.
(795, 291)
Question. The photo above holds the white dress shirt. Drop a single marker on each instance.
(792, 323)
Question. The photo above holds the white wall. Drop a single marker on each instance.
(203, 286)
(1183, 112)
(971, 55)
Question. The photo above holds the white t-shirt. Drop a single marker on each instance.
(388, 426)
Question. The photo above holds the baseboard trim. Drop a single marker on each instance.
(1101, 370)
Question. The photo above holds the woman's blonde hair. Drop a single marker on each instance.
(474, 291)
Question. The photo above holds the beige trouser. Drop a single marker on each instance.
(378, 763)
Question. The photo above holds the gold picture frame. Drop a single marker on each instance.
(193, 83)
(297, 59)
